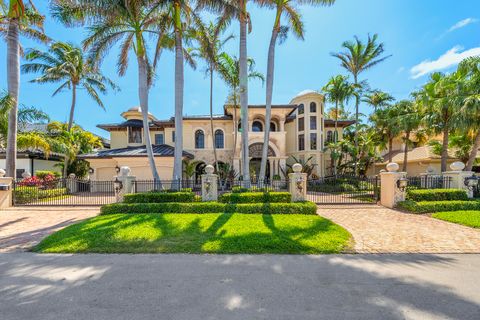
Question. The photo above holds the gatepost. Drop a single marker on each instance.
(393, 185)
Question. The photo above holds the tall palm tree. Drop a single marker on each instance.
(357, 58)
(377, 99)
(127, 23)
(15, 20)
(287, 9)
(67, 64)
(338, 90)
(229, 70)
(409, 120)
(210, 44)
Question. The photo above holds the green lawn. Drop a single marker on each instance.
(467, 218)
(200, 233)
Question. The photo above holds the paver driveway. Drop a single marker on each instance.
(23, 227)
(377, 229)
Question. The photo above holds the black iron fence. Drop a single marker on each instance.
(429, 182)
(344, 190)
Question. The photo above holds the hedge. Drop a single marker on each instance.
(159, 197)
(436, 194)
(256, 197)
(28, 194)
(437, 206)
(211, 207)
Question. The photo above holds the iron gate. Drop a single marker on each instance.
(344, 190)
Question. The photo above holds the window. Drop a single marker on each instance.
(257, 126)
(273, 127)
(313, 141)
(329, 136)
(301, 124)
(313, 107)
(313, 123)
(301, 142)
(159, 138)
(219, 141)
(199, 139)
(301, 109)
(134, 135)
(173, 136)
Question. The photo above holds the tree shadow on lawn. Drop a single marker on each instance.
(207, 233)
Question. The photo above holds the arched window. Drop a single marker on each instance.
(273, 127)
(219, 139)
(199, 139)
(313, 107)
(301, 108)
(257, 126)
(329, 136)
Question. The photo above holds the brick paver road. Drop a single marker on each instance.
(23, 227)
(377, 229)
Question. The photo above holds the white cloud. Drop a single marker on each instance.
(462, 23)
(450, 58)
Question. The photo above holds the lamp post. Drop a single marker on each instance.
(402, 184)
(471, 182)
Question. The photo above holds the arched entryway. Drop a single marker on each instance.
(255, 152)
(255, 169)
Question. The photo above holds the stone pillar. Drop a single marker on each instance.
(298, 183)
(456, 178)
(72, 185)
(126, 183)
(282, 165)
(6, 192)
(209, 184)
(390, 193)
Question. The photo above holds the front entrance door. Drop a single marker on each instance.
(255, 168)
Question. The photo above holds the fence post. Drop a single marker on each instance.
(458, 179)
(72, 185)
(124, 183)
(209, 184)
(6, 186)
(392, 191)
(297, 183)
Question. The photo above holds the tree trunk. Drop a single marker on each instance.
(177, 166)
(473, 153)
(268, 105)
(357, 102)
(444, 149)
(72, 107)
(405, 153)
(335, 137)
(235, 125)
(244, 92)
(143, 97)
(211, 121)
(13, 76)
(390, 147)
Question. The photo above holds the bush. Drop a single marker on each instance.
(30, 194)
(238, 189)
(437, 206)
(41, 174)
(211, 207)
(159, 197)
(256, 197)
(436, 194)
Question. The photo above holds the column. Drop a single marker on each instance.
(393, 185)
(458, 179)
(6, 185)
(209, 184)
(124, 183)
(298, 183)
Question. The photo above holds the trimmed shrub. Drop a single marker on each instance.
(256, 197)
(436, 194)
(211, 207)
(29, 194)
(159, 197)
(437, 206)
(238, 189)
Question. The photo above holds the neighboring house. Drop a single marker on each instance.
(296, 129)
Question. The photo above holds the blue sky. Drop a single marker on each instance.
(422, 36)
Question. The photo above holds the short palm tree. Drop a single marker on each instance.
(287, 9)
(409, 120)
(357, 58)
(377, 99)
(66, 63)
(386, 123)
(15, 20)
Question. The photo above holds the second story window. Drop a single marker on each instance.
(173, 136)
(219, 141)
(301, 124)
(199, 139)
(134, 135)
(313, 141)
(301, 142)
(313, 107)
(257, 126)
(329, 136)
(159, 139)
(313, 123)
(273, 127)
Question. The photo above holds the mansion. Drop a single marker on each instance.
(297, 129)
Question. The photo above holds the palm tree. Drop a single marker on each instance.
(357, 58)
(17, 19)
(67, 64)
(229, 70)
(127, 23)
(338, 90)
(386, 124)
(377, 99)
(439, 101)
(409, 120)
(210, 44)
